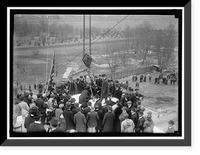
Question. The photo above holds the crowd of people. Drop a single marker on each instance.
(95, 111)
(42, 41)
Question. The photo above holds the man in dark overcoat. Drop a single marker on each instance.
(68, 115)
(41, 107)
(117, 92)
(108, 120)
(104, 88)
(99, 127)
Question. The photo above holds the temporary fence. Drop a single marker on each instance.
(26, 84)
(126, 73)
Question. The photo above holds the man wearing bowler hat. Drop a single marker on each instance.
(170, 128)
(36, 126)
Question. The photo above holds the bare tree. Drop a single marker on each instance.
(111, 56)
(143, 39)
(165, 41)
(22, 71)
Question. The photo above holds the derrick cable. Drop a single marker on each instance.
(90, 44)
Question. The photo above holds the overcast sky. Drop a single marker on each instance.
(157, 21)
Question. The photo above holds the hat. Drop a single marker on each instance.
(171, 122)
(129, 102)
(142, 109)
(96, 107)
(72, 100)
(39, 95)
(35, 113)
(33, 109)
(61, 105)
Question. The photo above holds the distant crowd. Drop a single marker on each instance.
(42, 41)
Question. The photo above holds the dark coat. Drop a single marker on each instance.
(117, 125)
(86, 111)
(74, 111)
(84, 96)
(134, 118)
(104, 89)
(72, 88)
(99, 83)
(36, 127)
(139, 126)
(124, 101)
(82, 85)
(108, 122)
(104, 109)
(28, 121)
(92, 119)
(99, 120)
(79, 86)
(132, 98)
(41, 105)
(80, 122)
(112, 89)
(118, 93)
(68, 115)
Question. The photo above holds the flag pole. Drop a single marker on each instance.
(51, 71)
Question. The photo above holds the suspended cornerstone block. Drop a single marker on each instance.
(87, 60)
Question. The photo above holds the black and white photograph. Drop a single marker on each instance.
(96, 73)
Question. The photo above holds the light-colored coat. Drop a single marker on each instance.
(127, 126)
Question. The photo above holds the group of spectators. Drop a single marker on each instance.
(167, 79)
(95, 111)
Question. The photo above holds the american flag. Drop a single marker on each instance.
(52, 74)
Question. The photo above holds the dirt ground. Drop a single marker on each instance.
(160, 99)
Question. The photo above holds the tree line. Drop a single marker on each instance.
(143, 40)
(51, 29)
